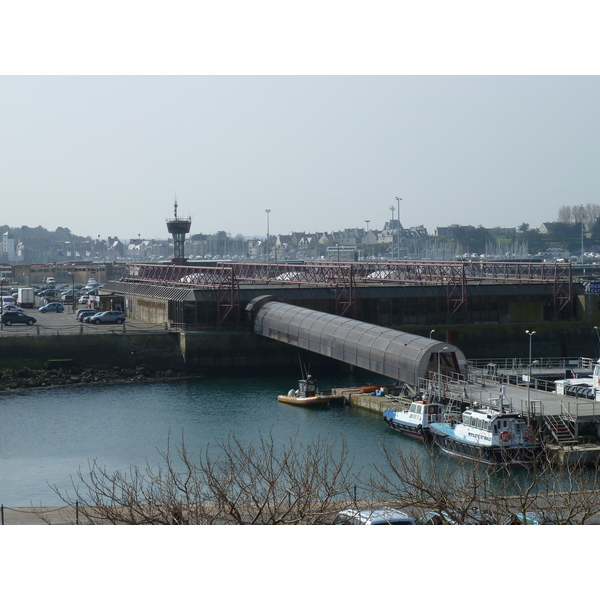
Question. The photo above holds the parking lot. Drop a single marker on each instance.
(64, 323)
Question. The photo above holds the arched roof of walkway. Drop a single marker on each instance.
(396, 354)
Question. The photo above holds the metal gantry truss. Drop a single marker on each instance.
(225, 278)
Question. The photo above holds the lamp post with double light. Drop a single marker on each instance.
(392, 208)
(530, 334)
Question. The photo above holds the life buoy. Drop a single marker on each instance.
(505, 436)
(528, 435)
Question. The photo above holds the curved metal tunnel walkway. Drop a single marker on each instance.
(402, 356)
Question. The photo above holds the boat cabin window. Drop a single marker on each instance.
(476, 422)
(416, 408)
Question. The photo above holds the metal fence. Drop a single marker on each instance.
(60, 515)
(86, 328)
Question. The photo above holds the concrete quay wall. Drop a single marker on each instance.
(102, 351)
(212, 353)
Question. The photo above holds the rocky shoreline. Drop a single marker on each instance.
(26, 378)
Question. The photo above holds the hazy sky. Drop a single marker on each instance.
(107, 154)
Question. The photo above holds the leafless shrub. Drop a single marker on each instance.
(466, 492)
(231, 482)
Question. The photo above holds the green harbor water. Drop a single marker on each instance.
(47, 435)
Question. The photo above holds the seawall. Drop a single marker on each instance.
(211, 353)
(237, 351)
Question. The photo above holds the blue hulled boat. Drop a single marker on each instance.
(415, 420)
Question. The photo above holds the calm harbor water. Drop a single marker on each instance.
(47, 435)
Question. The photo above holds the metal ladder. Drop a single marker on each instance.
(560, 430)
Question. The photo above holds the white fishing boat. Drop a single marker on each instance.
(415, 421)
(581, 387)
(489, 435)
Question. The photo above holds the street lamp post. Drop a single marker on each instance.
(72, 273)
(268, 211)
(392, 208)
(398, 200)
(367, 221)
(582, 230)
(530, 334)
(431, 333)
(2, 282)
(440, 373)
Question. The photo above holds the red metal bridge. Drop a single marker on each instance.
(344, 278)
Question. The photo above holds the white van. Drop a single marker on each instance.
(50, 280)
(8, 301)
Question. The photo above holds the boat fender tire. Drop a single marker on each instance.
(505, 436)
(419, 427)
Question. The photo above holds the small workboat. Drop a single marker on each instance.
(415, 420)
(307, 394)
(488, 435)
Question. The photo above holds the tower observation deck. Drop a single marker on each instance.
(178, 228)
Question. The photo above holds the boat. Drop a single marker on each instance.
(581, 387)
(308, 394)
(415, 421)
(488, 435)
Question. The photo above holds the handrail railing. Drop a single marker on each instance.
(538, 364)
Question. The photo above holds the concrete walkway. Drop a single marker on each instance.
(51, 516)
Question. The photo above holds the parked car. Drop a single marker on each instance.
(49, 293)
(108, 316)
(52, 307)
(474, 517)
(532, 518)
(377, 516)
(85, 312)
(69, 298)
(14, 316)
(11, 308)
(434, 518)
